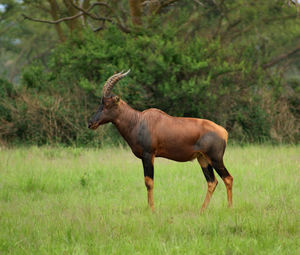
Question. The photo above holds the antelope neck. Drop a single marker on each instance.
(126, 120)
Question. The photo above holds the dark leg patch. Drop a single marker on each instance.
(148, 165)
(149, 175)
(208, 173)
(220, 169)
(227, 178)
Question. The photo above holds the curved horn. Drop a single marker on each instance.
(108, 86)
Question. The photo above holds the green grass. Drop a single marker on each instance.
(86, 201)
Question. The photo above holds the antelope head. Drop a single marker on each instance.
(108, 108)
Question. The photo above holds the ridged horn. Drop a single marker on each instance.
(108, 86)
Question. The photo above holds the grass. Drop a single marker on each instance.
(88, 201)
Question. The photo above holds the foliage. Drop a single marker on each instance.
(21, 43)
(7, 91)
(39, 118)
(215, 71)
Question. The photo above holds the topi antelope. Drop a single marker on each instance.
(153, 133)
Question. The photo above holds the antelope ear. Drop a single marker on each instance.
(116, 99)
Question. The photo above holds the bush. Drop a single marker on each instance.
(197, 78)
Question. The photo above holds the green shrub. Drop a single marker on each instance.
(196, 78)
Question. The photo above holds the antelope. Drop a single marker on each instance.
(153, 133)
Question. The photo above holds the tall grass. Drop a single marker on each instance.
(88, 201)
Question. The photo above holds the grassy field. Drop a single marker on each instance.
(88, 201)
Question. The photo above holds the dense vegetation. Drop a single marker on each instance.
(234, 62)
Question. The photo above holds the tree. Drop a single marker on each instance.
(21, 42)
(228, 61)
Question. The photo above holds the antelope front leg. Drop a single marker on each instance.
(149, 185)
(149, 175)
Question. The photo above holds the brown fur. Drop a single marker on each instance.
(228, 183)
(149, 183)
(211, 186)
(155, 133)
(177, 145)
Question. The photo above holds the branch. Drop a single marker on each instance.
(225, 72)
(280, 58)
(90, 14)
(164, 4)
(53, 21)
(85, 12)
(98, 29)
(293, 16)
(119, 23)
(198, 2)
